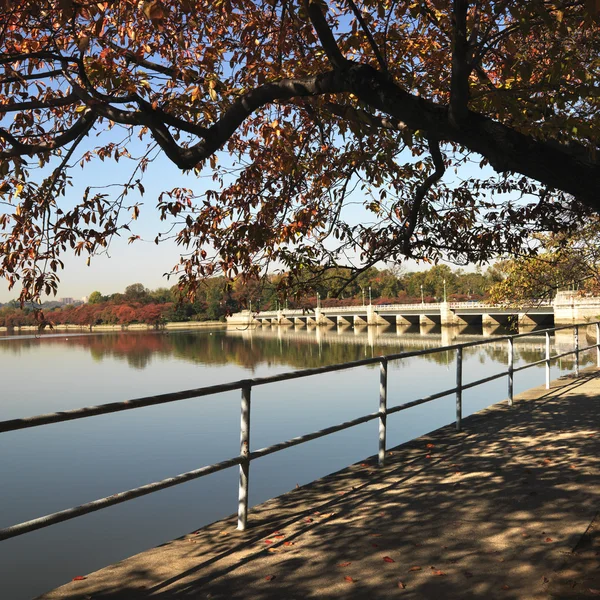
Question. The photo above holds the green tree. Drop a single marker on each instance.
(95, 298)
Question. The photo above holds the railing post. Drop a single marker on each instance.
(577, 350)
(547, 360)
(598, 345)
(382, 409)
(244, 455)
(511, 369)
(459, 357)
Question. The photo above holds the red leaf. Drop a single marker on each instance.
(428, 456)
(268, 541)
(288, 543)
(269, 577)
(549, 539)
(349, 579)
(388, 559)
(344, 564)
(280, 536)
(438, 573)
(431, 445)
(415, 568)
(308, 520)
(79, 578)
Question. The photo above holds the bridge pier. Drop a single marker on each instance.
(426, 320)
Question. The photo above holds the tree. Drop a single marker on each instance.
(311, 101)
(136, 292)
(95, 298)
(564, 262)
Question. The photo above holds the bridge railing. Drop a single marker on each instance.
(246, 455)
(295, 312)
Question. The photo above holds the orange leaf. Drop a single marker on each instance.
(549, 539)
(428, 456)
(388, 559)
(415, 568)
(438, 573)
(268, 541)
(288, 543)
(269, 577)
(344, 564)
(431, 445)
(279, 536)
(349, 579)
(79, 578)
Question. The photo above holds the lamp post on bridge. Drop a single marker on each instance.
(318, 300)
(370, 297)
(362, 291)
(444, 290)
(422, 297)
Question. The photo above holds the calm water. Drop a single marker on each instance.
(54, 467)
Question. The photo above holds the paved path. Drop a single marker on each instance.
(492, 512)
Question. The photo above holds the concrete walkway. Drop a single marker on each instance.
(492, 512)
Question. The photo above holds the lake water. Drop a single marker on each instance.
(50, 468)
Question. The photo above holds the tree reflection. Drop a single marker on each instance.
(291, 348)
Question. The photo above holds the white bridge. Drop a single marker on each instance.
(564, 309)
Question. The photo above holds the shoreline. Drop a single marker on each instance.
(132, 327)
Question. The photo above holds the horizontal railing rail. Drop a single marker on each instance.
(246, 385)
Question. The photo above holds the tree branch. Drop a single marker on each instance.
(461, 69)
(325, 35)
(422, 189)
(368, 34)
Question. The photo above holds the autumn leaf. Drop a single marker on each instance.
(268, 541)
(79, 578)
(288, 543)
(438, 573)
(415, 568)
(548, 539)
(349, 579)
(387, 559)
(344, 564)
(270, 577)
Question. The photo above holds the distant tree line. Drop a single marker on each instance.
(217, 297)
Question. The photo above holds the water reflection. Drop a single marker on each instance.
(292, 346)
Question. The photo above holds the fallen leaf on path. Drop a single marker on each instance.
(308, 520)
(344, 564)
(428, 456)
(349, 579)
(288, 543)
(388, 559)
(415, 568)
(431, 445)
(79, 578)
(269, 577)
(268, 541)
(280, 536)
(548, 539)
(438, 573)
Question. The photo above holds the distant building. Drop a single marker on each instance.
(66, 300)
(85, 299)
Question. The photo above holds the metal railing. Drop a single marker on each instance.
(246, 456)
(400, 307)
